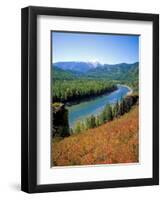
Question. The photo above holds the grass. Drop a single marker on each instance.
(110, 143)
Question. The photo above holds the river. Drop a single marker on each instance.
(95, 106)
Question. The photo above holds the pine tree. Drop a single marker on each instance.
(101, 118)
(97, 121)
(77, 128)
(93, 121)
(108, 113)
(121, 107)
(116, 110)
(88, 123)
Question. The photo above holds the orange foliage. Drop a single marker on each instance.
(110, 143)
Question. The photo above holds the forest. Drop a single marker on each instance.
(71, 86)
(76, 90)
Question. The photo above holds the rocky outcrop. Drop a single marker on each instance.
(60, 125)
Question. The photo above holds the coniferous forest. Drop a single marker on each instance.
(94, 106)
(72, 90)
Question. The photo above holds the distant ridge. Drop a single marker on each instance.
(121, 71)
(77, 66)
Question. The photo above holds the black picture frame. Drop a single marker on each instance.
(29, 99)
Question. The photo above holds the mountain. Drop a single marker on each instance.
(60, 74)
(77, 66)
(120, 71)
(95, 70)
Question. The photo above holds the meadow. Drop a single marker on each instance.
(114, 142)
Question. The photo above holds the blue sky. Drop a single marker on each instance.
(103, 48)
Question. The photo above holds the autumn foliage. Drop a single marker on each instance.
(113, 142)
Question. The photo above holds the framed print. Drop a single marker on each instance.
(90, 99)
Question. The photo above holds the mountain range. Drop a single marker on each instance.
(77, 66)
(71, 70)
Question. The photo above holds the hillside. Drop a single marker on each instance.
(112, 142)
(60, 74)
(88, 70)
(121, 71)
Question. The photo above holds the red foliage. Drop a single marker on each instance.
(114, 142)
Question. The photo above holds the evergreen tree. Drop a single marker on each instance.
(127, 104)
(116, 110)
(97, 121)
(77, 128)
(88, 123)
(121, 107)
(109, 113)
(82, 127)
(93, 121)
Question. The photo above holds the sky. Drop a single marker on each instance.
(103, 48)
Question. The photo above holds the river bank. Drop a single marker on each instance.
(95, 106)
(130, 89)
(89, 97)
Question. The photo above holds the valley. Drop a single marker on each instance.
(97, 105)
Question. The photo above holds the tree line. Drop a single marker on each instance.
(73, 90)
(109, 113)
